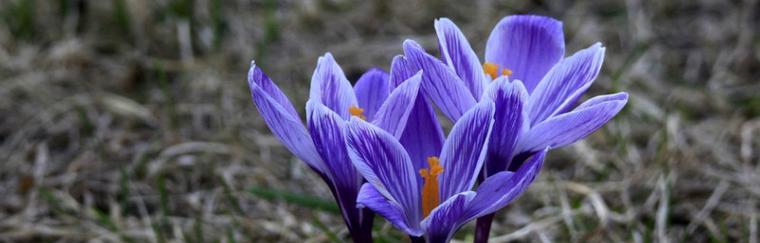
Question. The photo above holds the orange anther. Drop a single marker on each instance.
(357, 112)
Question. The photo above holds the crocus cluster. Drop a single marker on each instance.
(380, 149)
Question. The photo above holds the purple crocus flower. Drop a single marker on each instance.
(540, 109)
(321, 143)
(435, 201)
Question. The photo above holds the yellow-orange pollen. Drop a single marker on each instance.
(430, 186)
(357, 112)
(492, 70)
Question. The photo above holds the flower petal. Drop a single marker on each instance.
(259, 78)
(330, 86)
(564, 129)
(502, 188)
(371, 91)
(439, 82)
(401, 70)
(447, 218)
(328, 133)
(369, 197)
(465, 149)
(327, 130)
(423, 135)
(596, 100)
(393, 114)
(458, 54)
(528, 45)
(381, 159)
(288, 129)
(565, 83)
(510, 122)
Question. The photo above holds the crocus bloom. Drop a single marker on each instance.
(321, 142)
(540, 110)
(435, 201)
(531, 49)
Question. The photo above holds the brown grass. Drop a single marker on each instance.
(131, 121)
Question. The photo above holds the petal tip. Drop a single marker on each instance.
(443, 20)
(410, 44)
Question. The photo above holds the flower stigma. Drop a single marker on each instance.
(430, 198)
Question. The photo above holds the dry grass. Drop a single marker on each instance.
(130, 120)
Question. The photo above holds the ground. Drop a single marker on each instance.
(131, 120)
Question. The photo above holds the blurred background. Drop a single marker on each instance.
(131, 120)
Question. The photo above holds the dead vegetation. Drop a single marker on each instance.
(130, 120)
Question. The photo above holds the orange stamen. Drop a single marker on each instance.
(357, 112)
(430, 196)
(491, 69)
(506, 72)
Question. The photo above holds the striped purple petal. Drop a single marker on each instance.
(422, 136)
(502, 188)
(401, 70)
(327, 130)
(511, 122)
(371, 90)
(596, 100)
(439, 82)
(288, 129)
(394, 112)
(458, 55)
(447, 218)
(565, 83)
(260, 79)
(330, 86)
(528, 45)
(370, 198)
(465, 149)
(381, 159)
(567, 128)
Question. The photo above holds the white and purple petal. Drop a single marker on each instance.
(371, 90)
(330, 87)
(327, 131)
(288, 129)
(394, 112)
(423, 135)
(401, 70)
(510, 122)
(465, 149)
(567, 128)
(381, 159)
(259, 78)
(565, 83)
(528, 45)
(502, 188)
(370, 198)
(447, 218)
(439, 82)
(458, 55)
